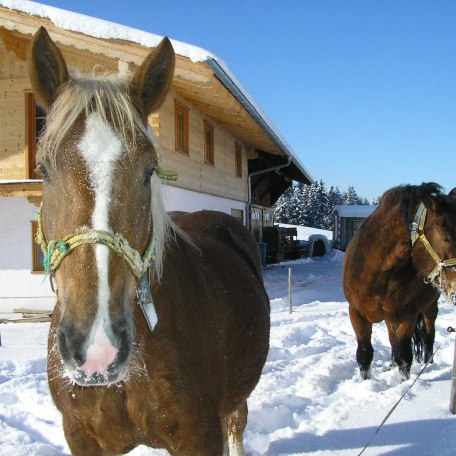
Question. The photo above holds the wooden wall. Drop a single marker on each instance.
(194, 174)
(13, 86)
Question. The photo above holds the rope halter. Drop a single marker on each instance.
(417, 233)
(55, 252)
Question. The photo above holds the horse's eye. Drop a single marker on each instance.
(148, 177)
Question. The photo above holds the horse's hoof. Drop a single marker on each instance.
(365, 374)
(405, 374)
(392, 365)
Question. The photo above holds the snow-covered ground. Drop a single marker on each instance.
(309, 399)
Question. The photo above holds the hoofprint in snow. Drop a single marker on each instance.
(309, 399)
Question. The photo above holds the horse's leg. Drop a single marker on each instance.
(199, 437)
(428, 336)
(365, 351)
(235, 424)
(400, 336)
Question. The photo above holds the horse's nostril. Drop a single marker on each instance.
(71, 346)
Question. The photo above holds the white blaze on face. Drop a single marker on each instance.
(101, 148)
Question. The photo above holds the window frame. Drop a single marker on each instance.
(180, 109)
(32, 135)
(209, 144)
(37, 253)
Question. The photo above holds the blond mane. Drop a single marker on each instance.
(107, 95)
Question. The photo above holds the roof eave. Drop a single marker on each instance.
(255, 112)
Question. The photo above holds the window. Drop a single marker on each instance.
(38, 255)
(36, 119)
(181, 127)
(208, 144)
(238, 159)
(268, 218)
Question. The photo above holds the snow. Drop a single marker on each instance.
(304, 232)
(100, 28)
(355, 210)
(309, 399)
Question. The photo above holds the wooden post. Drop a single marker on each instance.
(453, 382)
(290, 304)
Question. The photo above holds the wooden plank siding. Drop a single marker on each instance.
(194, 173)
(13, 84)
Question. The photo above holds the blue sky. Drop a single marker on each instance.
(363, 91)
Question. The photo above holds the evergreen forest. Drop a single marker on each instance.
(313, 205)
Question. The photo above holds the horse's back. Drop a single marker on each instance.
(220, 233)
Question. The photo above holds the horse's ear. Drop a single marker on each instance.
(46, 68)
(452, 194)
(152, 80)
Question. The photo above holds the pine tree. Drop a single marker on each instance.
(351, 196)
(334, 199)
(300, 196)
(282, 206)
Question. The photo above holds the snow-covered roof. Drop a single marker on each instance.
(99, 28)
(355, 210)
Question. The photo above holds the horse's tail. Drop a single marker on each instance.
(418, 338)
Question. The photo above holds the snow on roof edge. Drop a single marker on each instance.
(101, 28)
(355, 210)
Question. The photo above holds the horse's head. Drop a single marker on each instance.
(434, 242)
(97, 157)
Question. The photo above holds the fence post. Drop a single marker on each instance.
(290, 280)
(453, 383)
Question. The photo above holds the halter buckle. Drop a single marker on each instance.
(146, 303)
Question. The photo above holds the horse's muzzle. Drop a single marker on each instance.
(96, 359)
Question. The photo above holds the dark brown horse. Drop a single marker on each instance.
(395, 267)
(181, 384)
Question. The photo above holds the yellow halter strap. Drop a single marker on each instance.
(55, 251)
(417, 233)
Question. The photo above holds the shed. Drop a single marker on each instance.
(347, 219)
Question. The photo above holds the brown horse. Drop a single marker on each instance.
(395, 267)
(179, 379)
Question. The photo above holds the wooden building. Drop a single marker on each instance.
(347, 219)
(228, 156)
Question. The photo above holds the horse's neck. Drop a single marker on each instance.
(393, 239)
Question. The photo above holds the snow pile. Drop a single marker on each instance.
(309, 399)
(304, 232)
